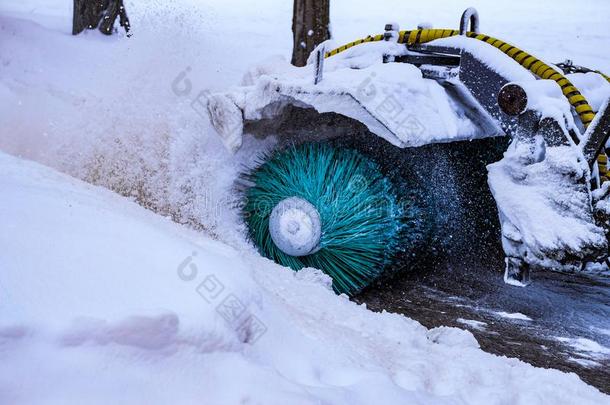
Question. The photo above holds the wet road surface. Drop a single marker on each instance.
(563, 320)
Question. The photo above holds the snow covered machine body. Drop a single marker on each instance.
(469, 141)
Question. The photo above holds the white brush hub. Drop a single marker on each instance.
(295, 227)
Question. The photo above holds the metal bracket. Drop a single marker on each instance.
(597, 134)
(436, 60)
(469, 14)
(391, 32)
(435, 49)
(568, 66)
(319, 65)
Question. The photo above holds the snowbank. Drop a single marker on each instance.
(103, 301)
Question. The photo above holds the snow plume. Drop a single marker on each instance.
(123, 114)
(163, 169)
(183, 174)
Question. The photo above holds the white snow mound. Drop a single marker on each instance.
(103, 301)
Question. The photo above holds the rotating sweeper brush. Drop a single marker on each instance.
(314, 205)
(419, 146)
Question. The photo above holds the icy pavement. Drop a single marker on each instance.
(559, 321)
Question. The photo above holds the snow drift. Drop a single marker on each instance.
(103, 299)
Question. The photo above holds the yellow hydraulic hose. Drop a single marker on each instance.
(529, 62)
(370, 38)
(534, 65)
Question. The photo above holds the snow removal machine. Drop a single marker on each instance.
(421, 148)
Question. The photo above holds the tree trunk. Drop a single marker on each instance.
(115, 8)
(87, 14)
(310, 27)
(91, 14)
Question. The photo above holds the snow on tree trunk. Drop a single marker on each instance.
(91, 14)
(310, 27)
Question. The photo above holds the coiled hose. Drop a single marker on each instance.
(529, 62)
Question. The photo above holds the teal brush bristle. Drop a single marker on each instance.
(362, 220)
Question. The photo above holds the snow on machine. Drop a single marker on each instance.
(418, 146)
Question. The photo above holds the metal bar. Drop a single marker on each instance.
(438, 60)
(597, 134)
(469, 14)
(319, 65)
(434, 49)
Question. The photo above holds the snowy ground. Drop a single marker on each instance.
(100, 298)
(103, 299)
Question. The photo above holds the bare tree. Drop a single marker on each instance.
(310, 27)
(91, 14)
